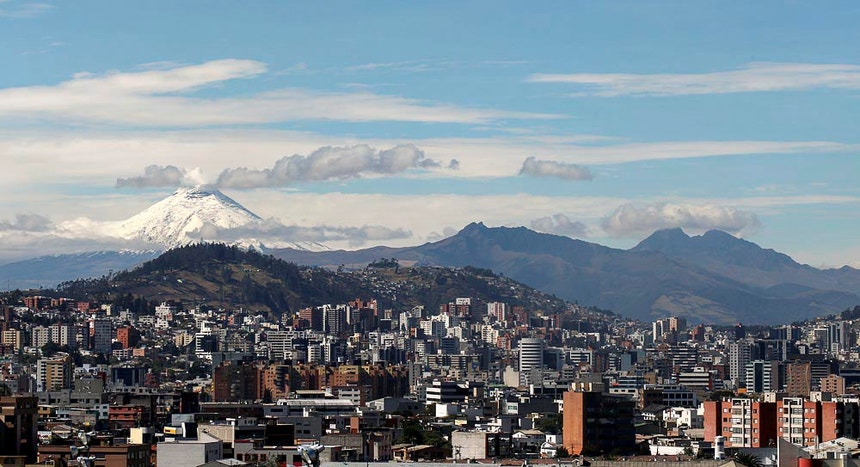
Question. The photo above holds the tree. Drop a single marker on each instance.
(49, 349)
(561, 452)
(747, 459)
(412, 432)
(550, 423)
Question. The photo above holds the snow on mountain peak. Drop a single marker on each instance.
(194, 214)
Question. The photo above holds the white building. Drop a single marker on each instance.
(531, 357)
(189, 452)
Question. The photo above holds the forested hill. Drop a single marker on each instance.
(227, 276)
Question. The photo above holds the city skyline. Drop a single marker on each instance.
(602, 121)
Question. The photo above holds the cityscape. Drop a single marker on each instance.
(383, 233)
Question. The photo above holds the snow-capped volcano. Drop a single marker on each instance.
(202, 213)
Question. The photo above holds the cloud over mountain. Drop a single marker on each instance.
(270, 230)
(162, 176)
(634, 220)
(559, 224)
(26, 223)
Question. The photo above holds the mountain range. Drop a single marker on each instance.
(710, 278)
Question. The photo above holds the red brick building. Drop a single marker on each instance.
(235, 383)
(128, 416)
(748, 423)
(743, 422)
(128, 336)
(806, 423)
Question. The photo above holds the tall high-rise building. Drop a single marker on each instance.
(763, 376)
(39, 336)
(677, 324)
(531, 358)
(806, 423)
(54, 373)
(740, 354)
(798, 379)
(19, 414)
(659, 328)
(63, 334)
(595, 423)
(280, 344)
(101, 332)
(497, 310)
(128, 337)
(334, 318)
(743, 422)
(236, 382)
(13, 338)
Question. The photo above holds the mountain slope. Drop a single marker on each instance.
(220, 275)
(721, 253)
(643, 282)
(203, 214)
(183, 217)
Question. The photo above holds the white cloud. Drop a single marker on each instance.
(329, 163)
(630, 220)
(95, 158)
(347, 220)
(502, 156)
(155, 176)
(157, 97)
(559, 224)
(424, 215)
(26, 223)
(274, 233)
(38, 236)
(754, 77)
(566, 171)
(446, 232)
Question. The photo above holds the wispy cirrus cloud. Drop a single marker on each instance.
(162, 97)
(532, 166)
(631, 220)
(426, 65)
(25, 9)
(406, 65)
(754, 77)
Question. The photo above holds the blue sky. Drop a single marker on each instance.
(598, 120)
